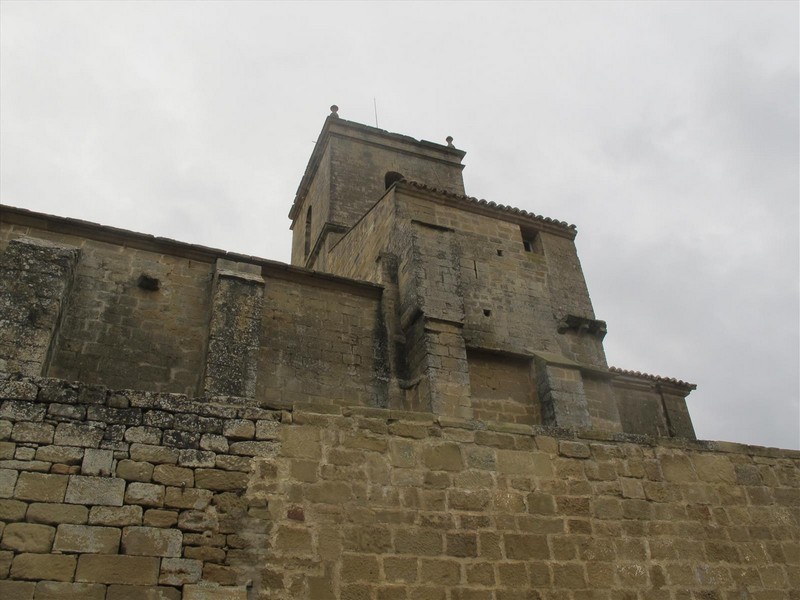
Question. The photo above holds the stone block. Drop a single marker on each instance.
(214, 443)
(103, 491)
(12, 510)
(36, 567)
(27, 537)
(239, 429)
(153, 454)
(207, 592)
(151, 541)
(67, 455)
(78, 434)
(117, 568)
(16, 590)
(18, 390)
(440, 572)
(115, 516)
(54, 514)
(145, 494)
(518, 462)
(87, 539)
(443, 457)
(180, 571)
(188, 457)
(172, 475)
(187, 498)
(53, 590)
(8, 480)
(300, 442)
(16, 410)
(198, 520)
(7, 450)
(97, 462)
(39, 433)
(132, 470)
(156, 517)
(143, 435)
(217, 480)
(267, 429)
(573, 449)
(139, 592)
(260, 449)
(41, 487)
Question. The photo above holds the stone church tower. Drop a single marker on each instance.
(417, 408)
(486, 308)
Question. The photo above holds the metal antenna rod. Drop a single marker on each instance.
(375, 104)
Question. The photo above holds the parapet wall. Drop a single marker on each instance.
(116, 495)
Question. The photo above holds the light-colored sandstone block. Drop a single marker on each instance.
(115, 516)
(151, 541)
(145, 494)
(41, 487)
(8, 479)
(104, 491)
(97, 462)
(87, 539)
(55, 514)
(139, 592)
(206, 592)
(104, 568)
(51, 590)
(35, 567)
(27, 537)
(180, 571)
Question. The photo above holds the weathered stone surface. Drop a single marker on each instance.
(115, 516)
(217, 480)
(97, 462)
(130, 570)
(151, 541)
(187, 499)
(27, 537)
(78, 434)
(103, 491)
(41, 487)
(51, 590)
(207, 592)
(87, 539)
(132, 470)
(55, 514)
(35, 567)
(138, 592)
(180, 571)
(17, 590)
(8, 480)
(145, 494)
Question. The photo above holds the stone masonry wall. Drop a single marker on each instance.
(118, 334)
(123, 495)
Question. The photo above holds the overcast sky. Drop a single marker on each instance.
(667, 132)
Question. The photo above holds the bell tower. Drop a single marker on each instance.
(350, 169)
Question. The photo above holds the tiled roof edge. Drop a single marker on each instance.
(655, 378)
(489, 204)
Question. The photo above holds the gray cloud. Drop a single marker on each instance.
(668, 132)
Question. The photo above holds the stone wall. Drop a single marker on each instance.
(128, 495)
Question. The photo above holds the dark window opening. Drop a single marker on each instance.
(391, 178)
(499, 252)
(531, 242)
(308, 231)
(487, 312)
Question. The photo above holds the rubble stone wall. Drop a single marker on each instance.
(127, 495)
